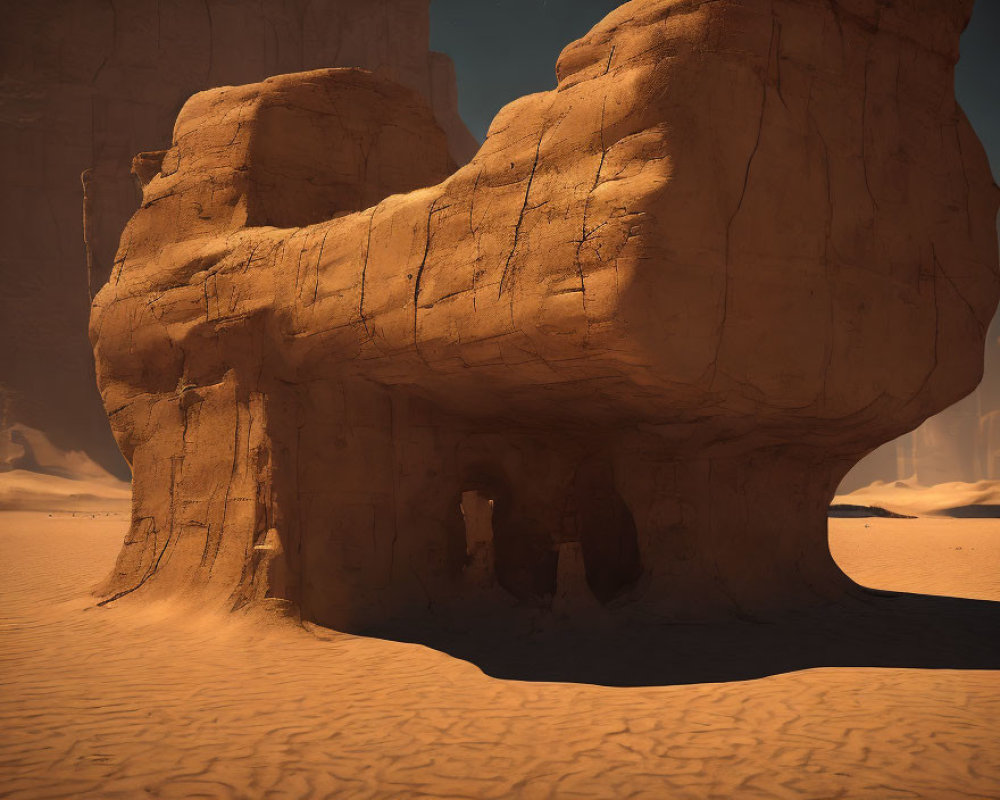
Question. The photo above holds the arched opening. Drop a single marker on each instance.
(606, 531)
(477, 513)
(524, 559)
(479, 560)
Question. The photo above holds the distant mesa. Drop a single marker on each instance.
(974, 511)
(854, 512)
(969, 511)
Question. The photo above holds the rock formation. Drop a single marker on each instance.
(646, 331)
(88, 83)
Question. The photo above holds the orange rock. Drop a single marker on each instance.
(661, 313)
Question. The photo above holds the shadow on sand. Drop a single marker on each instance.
(870, 629)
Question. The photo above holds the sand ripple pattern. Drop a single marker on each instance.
(134, 701)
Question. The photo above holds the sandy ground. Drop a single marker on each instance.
(133, 701)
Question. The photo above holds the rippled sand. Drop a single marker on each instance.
(146, 701)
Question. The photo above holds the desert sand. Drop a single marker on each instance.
(144, 700)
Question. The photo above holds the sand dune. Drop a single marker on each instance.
(909, 497)
(35, 475)
(21, 490)
(133, 700)
(29, 449)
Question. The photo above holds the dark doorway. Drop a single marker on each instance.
(525, 558)
(606, 531)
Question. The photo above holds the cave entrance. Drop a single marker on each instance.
(477, 512)
(477, 515)
(606, 531)
(505, 538)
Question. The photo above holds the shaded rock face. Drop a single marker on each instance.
(962, 443)
(88, 83)
(618, 363)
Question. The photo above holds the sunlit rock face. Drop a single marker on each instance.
(615, 365)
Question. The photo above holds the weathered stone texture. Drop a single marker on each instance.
(658, 316)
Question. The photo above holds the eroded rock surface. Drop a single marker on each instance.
(658, 316)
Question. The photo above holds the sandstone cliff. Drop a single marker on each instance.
(85, 85)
